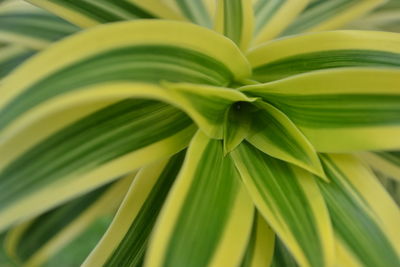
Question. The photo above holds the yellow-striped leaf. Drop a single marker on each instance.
(291, 203)
(363, 216)
(26, 25)
(89, 152)
(146, 51)
(275, 134)
(197, 11)
(90, 13)
(361, 112)
(273, 16)
(322, 15)
(234, 19)
(261, 245)
(325, 50)
(386, 162)
(207, 218)
(11, 56)
(125, 242)
(34, 242)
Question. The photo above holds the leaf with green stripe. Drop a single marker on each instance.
(323, 15)
(384, 18)
(282, 256)
(196, 11)
(207, 215)
(273, 16)
(98, 148)
(88, 13)
(11, 56)
(291, 203)
(386, 162)
(363, 216)
(325, 50)
(275, 134)
(34, 28)
(359, 113)
(234, 19)
(261, 245)
(33, 242)
(140, 51)
(125, 242)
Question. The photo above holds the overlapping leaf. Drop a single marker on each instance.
(359, 113)
(290, 201)
(207, 215)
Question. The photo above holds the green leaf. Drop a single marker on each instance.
(207, 218)
(138, 51)
(282, 256)
(11, 56)
(35, 241)
(363, 216)
(324, 50)
(290, 201)
(31, 27)
(90, 13)
(273, 16)
(94, 150)
(234, 19)
(386, 162)
(275, 134)
(261, 244)
(196, 11)
(321, 15)
(342, 110)
(126, 240)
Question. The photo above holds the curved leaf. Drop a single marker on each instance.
(323, 15)
(364, 217)
(33, 242)
(146, 51)
(125, 242)
(324, 50)
(275, 134)
(206, 220)
(26, 25)
(273, 16)
(234, 19)
(290, 201)
(341, 110)
(97, 148)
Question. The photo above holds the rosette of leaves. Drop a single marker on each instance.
(244, 140)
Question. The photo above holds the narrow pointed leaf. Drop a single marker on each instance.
(146, 51)
(387, 163)
(26, 25)
(196, 11)
(35, 241)
(282, 256)
(275, 134)
(323, 15)
(237, 125)
(340, 110)
(324, 50)
(273, 16)
(207, 218)
(364, 217)
(290, 201)
(261, 245)
(11, 56)
(90, 13)
(126, 240)
(234, 19)
(98, 148)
